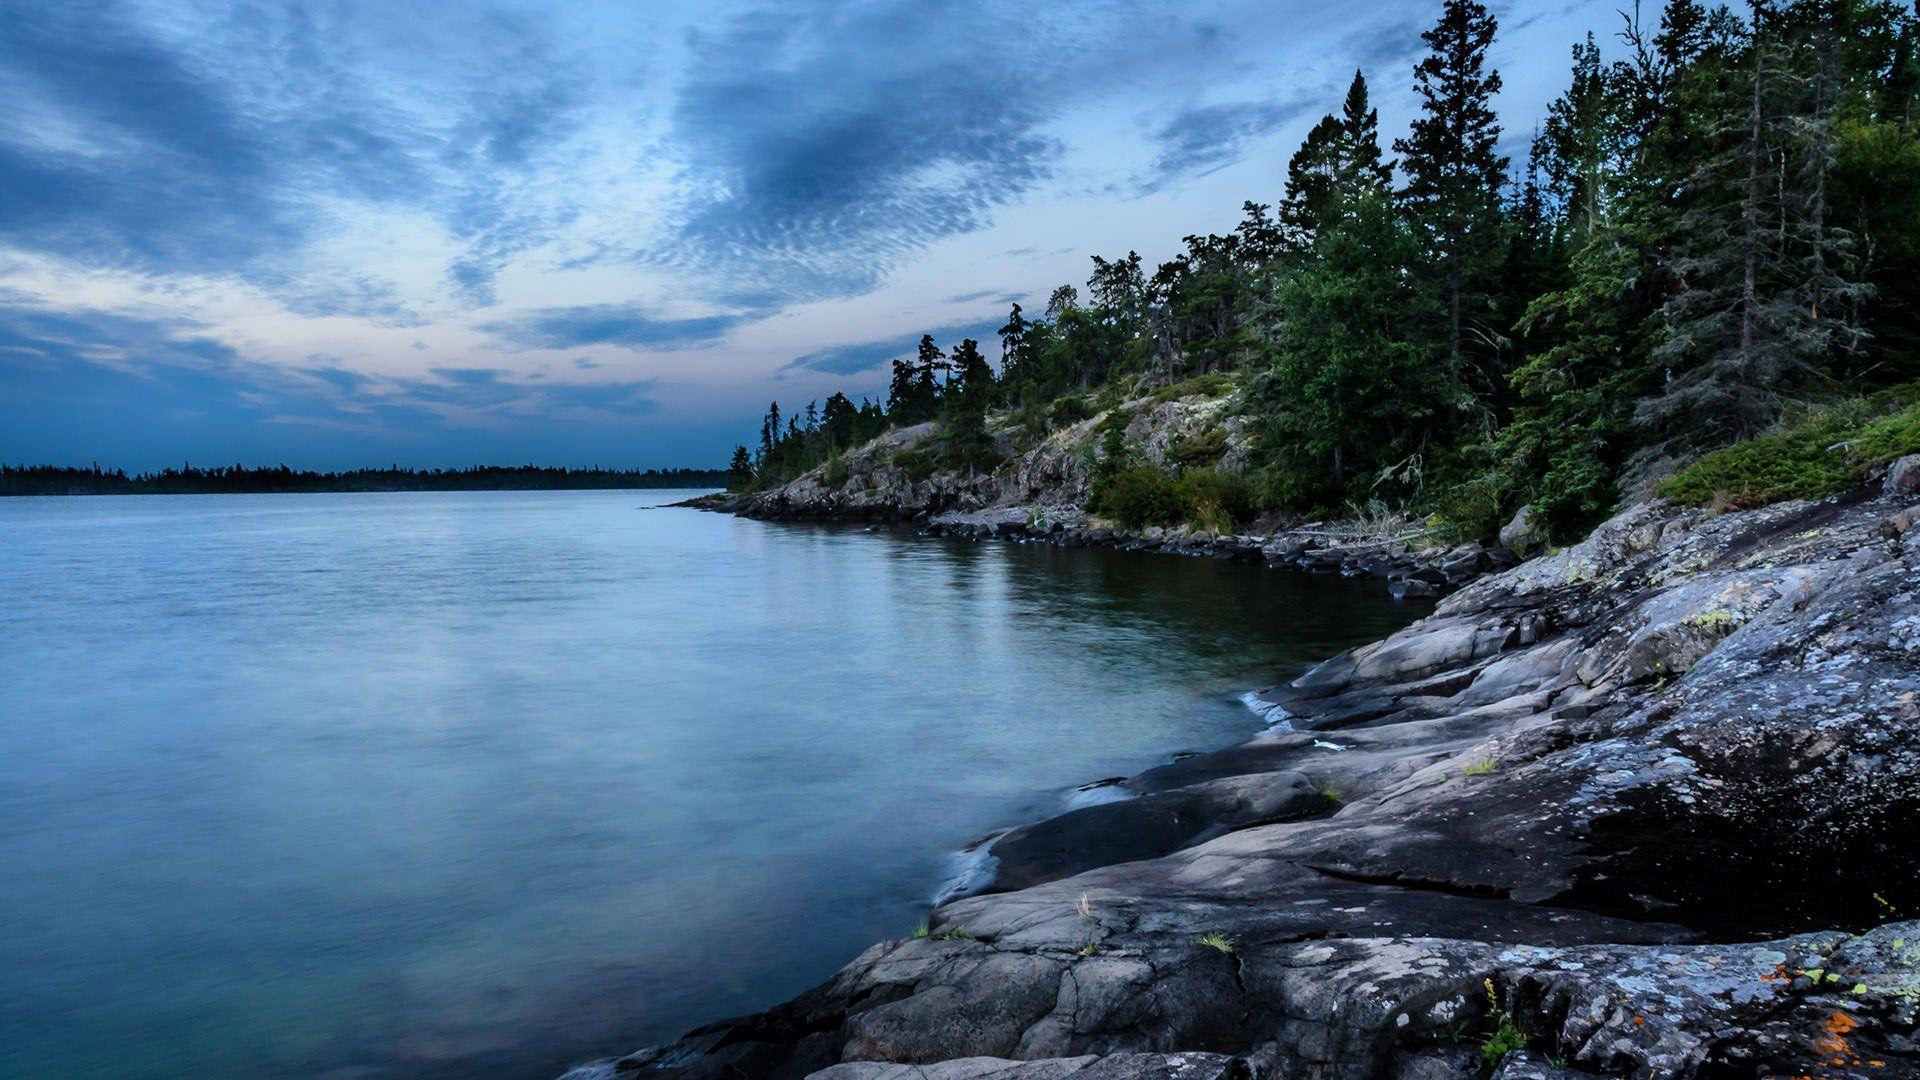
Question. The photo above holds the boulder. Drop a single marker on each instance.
(1903, 476)
(1520, 535)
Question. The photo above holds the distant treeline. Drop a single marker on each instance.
(93, 480)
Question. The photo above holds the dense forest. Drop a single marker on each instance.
(1702, 280)
(234, 479)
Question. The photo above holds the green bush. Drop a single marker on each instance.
(917, 464)
(1138, 496)
(1213, 384)
(1217, 501)
(1201, 451)
(836, 474)
(1824, 452)
(1069, 410)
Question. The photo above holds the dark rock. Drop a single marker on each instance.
(1411, 588)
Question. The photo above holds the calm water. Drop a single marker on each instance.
(458, 784)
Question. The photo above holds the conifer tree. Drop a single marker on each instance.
(1454, 170)
(1339, 159)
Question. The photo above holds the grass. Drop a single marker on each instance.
(1482, 768)
(1332, 794)
(1818, 453)
(1218, 942)
(922, 930)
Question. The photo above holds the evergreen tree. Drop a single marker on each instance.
(1455, 173)
(968, 443)
(1339, 159)
(740, 470)
(1016, 364)
(1349, 393)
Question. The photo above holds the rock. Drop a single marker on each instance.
(1520, 535)
(1411, 589)
(1903, 476)
(1898, 524)
(1621, 792)
(1197, 1066)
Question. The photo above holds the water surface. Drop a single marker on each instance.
(457, 784)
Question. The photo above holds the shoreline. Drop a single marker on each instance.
(1556, 803)
(1411, 571)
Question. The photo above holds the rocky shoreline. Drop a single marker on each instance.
(1411, 567)
(1641, 807)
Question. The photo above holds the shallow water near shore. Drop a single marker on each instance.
(453, 784)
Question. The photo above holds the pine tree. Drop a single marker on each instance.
(965, 407)
(1339, 160)
(1016, 365)
(740, 470)
(1454, 171)
(1767, 293)
(1352, 394)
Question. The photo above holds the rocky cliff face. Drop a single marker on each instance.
(1643, 807)
(897, 478)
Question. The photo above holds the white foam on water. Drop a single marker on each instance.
(1098, 793)
(973, 870)
(1276, 717)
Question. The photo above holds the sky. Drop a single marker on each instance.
(334, 234)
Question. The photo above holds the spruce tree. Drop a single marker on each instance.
(1339, 159)
(1454, 170)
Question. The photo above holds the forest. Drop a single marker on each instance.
(236, 479)
(1701, 282)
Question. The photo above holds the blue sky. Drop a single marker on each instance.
(332, 234)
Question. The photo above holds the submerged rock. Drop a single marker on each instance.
(1641, 807)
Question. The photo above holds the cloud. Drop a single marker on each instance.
(823, 148)
(864, 356)
(1205, 138)
(610, 324)
(94, 386)
(229, 144)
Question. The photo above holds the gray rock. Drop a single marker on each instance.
(1617, 793)
(1903, 476)
(1520, 535)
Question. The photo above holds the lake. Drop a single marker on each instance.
(448, 784)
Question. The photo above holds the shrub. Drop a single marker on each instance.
(1217, 501)
(1139, 495)
(1069, 410)
(836, 474)
(1213, 384)
(917, 464)
(1201, 451)
(1822, 453)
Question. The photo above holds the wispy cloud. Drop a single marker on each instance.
(610, 324)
